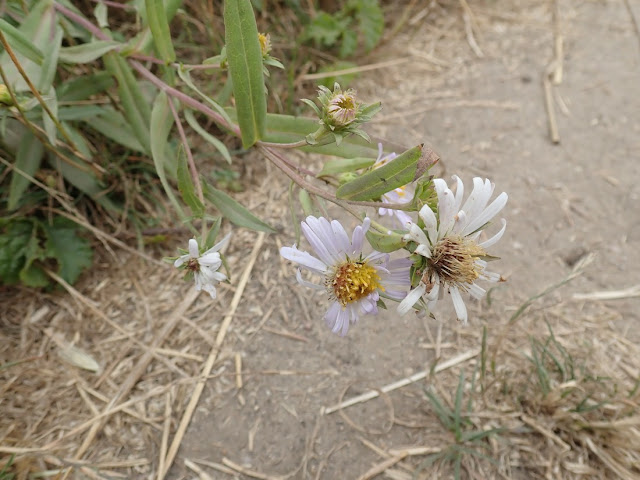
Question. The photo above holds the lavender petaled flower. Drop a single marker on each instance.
(353, 281)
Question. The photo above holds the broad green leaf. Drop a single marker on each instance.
(81, 88)
(144, 40)
(20, 43)
(371, 22)
(386, 243)
(72, 252)
(113, 125)
(31, 273)
(404, 169)
(221, 147)
(79, 112)
(234, 211)
(14, 239)
(159, 26)
(333, 167)
(187, 189)
(161, 123)
(87, 52)
(28, 159)
(133, 101)
(245, 67)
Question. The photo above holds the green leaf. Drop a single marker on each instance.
(386, 243)
(50, 64)
(50, 126)
(113, 125)
(213, 233)
(13, 250)
(159, 26)
(133, 101)
(234, 211)
(32, 274)
(101, 13)
(161, 124)
(21, 43)
(348, 45)
(187, 189)
(72, 252)
(371, 22)
(87, 52)
(245, 67)
(185, 76)
(81, 88)
(218, 145)
(334, 167)
(402, 170)
(28, 159)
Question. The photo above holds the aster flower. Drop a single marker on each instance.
(352, 281)
(453, 253)
(204, 267)
(402, 194)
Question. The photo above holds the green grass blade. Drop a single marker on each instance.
(234, 211)
(159, 26)
(186, 187)
(334, 167)
(245, 67)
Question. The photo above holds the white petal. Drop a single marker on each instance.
(341, 237)
(404, 218)
(181, 260)
(446, 212)
(417, 235)
(423, 250)
(476, 291)
(458, 304)
(479, 197)
(303, 258)
(487, 214)
(461, 222)
(412, 297)
(358, 236)
(211, 260)
(210, 289)
(430, 222)
(193, 248)
(318, 247)
(218, 246)
(459, 192)
(306, 283)
(493, 240)
(432, 296)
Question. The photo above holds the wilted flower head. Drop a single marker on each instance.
(454, 258)
(353, 282)
(402, 194)
(204, 267)
(265, 43)
(342, 108)
(340, 113)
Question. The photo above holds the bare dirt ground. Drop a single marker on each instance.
(474, 91)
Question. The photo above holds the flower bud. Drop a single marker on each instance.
(5, 96)
(265, 43)
(342, 108)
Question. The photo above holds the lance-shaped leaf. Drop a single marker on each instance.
(221, 147)
(161, 123)
(345, 165)
(133, 101)
(402, 170)
(28, 159)
(234, 211)
(245, 67)
(21, 42)
(87, 52)
(386, 243)
(159, 26)
(187, 189)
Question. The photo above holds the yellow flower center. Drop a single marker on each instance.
(352, 281)
(454, 260)
(265, 43)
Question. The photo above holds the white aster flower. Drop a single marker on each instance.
(204, 267)
(352, 281)
(451, 247)
(402, 194)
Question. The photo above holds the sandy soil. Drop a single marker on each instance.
(485, 116)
